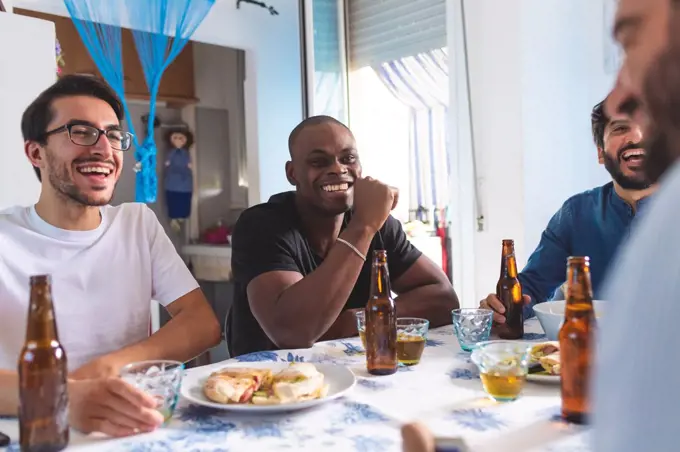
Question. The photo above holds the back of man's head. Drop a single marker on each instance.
(38, 115)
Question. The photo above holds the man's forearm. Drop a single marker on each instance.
(433, 302)
(9, 392)
(308, 308)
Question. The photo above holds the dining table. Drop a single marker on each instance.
(443, 392)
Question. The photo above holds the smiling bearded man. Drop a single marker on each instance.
(592, 223)
(302, 260)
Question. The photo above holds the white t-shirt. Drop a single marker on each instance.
(103, 280)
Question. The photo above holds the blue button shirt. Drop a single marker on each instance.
(592, 223)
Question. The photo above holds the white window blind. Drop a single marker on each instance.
(386, 30)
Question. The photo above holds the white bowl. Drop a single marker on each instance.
(551, 315)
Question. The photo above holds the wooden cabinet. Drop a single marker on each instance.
(177, 84)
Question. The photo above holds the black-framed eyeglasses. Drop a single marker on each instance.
(86, 135)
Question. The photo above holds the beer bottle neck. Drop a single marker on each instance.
(380, 281)
(41, 325)
(579, 288)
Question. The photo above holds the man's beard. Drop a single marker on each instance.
(662, 95)
(661, 155)
(613, 166)
(62, 182)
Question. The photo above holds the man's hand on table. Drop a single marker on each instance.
(111, 406)
(492, 302)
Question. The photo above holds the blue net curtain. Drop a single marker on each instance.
(421, 82)
(161, 29)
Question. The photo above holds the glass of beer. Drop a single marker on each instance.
(411, 337)
(160, 379)
(502, 367)
(361, 326)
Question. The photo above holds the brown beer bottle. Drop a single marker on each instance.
(509, 292)
(43, 396)
(381, 320)
(576, 341)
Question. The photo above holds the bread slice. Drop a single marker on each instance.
(544, 349)
(551, 363)
(235, 385)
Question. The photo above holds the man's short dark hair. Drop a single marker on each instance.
(599, 121)
(311, 121)
(38, 115)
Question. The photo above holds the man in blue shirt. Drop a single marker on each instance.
(592, 223)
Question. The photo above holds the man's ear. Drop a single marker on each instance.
(32, 151)
(600, 155)
(290, 174)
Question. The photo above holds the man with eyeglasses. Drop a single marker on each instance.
(107, 263)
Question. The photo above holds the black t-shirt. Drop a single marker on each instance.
(268, 237)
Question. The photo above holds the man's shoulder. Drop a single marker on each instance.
(14, 215)
(129, 212)
(13, 222)
(588, 197)
(135, 220)
(277, 214)
(391, 224)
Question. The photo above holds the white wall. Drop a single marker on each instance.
(536, 69)
(273, 86)
(563, 78)
(25, 71)
(218, 86)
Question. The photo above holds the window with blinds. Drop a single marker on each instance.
(386, 30)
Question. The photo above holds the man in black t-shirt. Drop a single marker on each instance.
(302, 260)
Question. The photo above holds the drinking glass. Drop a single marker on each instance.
(361, 326)
(160, 379)
(411, 338)
(472, 326)
(503, 367)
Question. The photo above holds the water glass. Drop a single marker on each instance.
(361, 326)
(411, 338)
(503, 367)
(160, 379)
(472, 326)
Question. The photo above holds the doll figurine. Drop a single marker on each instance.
(179, 177)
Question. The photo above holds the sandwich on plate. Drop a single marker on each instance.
(298, 382)
(551, 363)
(295, 383)
(543, 349)
(235, 384)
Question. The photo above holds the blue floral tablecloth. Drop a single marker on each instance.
(443, 391)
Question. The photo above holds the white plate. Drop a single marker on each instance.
(340, 380)
(538, 378)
